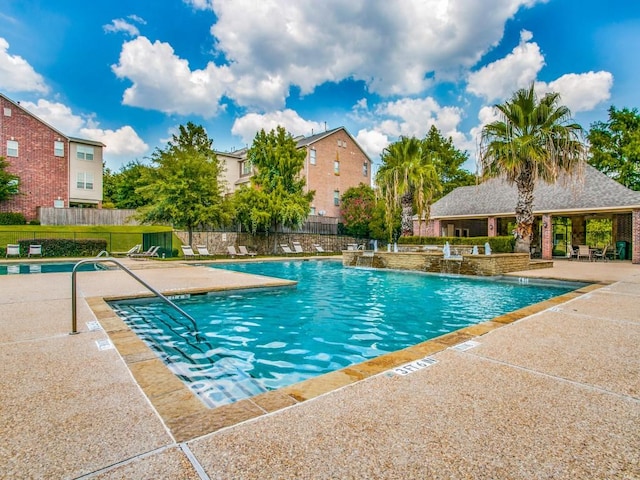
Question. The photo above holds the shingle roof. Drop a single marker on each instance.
(591, 191)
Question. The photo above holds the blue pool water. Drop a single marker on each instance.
(44, 267)
(248, 342)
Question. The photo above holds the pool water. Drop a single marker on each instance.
(25, 268)
(248, 342)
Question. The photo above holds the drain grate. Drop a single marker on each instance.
(414, 366)
(104, 344)
(94, 326)
(461, 347)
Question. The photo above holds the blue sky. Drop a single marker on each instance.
(127, 73)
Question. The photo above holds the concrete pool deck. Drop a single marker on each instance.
(549, 393)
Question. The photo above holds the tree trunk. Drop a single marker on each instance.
(406, 202)
(524, 213)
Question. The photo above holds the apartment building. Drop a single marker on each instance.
(334, 163)
(54, 170)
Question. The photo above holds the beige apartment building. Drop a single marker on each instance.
(334, 163)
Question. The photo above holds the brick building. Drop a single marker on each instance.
(54, 170)
(334, 163)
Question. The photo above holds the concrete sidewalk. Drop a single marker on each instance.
(554, 394)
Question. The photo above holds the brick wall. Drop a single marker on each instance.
(321, 176)
(43, 176)
(635, 245)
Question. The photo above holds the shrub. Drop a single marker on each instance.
(66, 247)
(10, 218)
(498, 244)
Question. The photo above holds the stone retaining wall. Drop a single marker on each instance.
(481, 265)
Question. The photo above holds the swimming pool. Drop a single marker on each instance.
(248, 342)
(46, 267)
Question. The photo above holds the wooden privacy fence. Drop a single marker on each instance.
(85, 216)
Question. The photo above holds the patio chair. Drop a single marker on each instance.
(13, 250)
(584, 252)
(35, 250)
(203, 251)
(601, 254)
(318, 248)
(131, 251)
(286, 249)
(152, 252)
(297, 247)
(188, 252)
(231, 250)
(244, 251)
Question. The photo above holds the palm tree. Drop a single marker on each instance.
(532, 140)
(408, 178)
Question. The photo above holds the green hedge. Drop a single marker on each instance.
(65, 247)
(8, 218)
(498, 244)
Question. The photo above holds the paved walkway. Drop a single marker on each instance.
(555, 394)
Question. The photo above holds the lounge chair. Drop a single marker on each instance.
(202, 250)
(152, 252)
(318, 248)
(13, 250)
(601, 254)
(297, 247)
(244, 251)
(128, 253)
(231, 250)
(35, 250)
(286, 249)
(188, 252)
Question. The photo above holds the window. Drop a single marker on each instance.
(246, 168)
(312, 156)
(85, 181)
(12, 148)
(336, 197)
(365, 169)
(313, 211)
(336, 167)
(7, 112)
(58, 149)
(84, 152)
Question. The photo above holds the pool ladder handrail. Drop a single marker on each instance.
(74, 317)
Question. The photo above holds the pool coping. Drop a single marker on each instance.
(187, 417)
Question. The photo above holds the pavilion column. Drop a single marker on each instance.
(492, 227)
(547, 237)
(635, 238)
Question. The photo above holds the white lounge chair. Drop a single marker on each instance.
(35, 250)
(152, 252)
(131, 251)
(286, 249)
(244, 251)
(202, 250)
(13, 250)
(188, 252)
(297, 248)
(231, 250)
(318, 248)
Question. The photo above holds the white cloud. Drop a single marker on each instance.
(373, 143)
(246, 127)
(121, 25)
(16, 75)
(162, 81)
(498, 80)
(580, 91)
(121, 144)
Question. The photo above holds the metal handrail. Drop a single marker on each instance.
(74, 317)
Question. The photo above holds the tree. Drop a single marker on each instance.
(184, 187)
(532, 140)
(121, 188)
(357, 206)
(615, 147)
(9, 183)
(407, 178)
(276, 197)
(448, 161)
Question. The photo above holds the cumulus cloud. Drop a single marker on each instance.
(246, 127)
(16, 75)
(121, 25)
(372, 142)
(394, 51)
(121, 144)
(163, 81)
(498, 80)
(580, 91)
